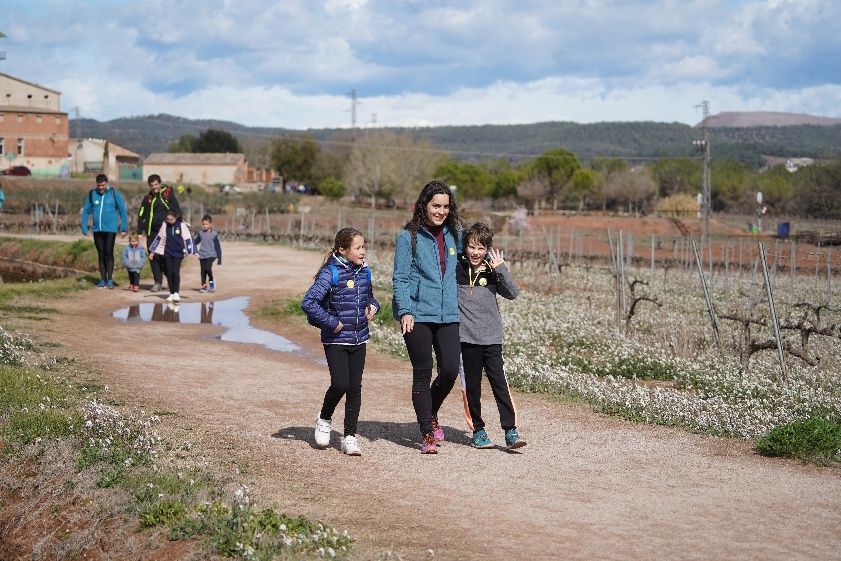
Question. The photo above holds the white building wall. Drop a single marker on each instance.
(185, 173)
(21, 94)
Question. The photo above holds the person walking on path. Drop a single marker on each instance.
(209, 249)
(172, 243)
(426, 303)
(341, 303)
(105, 205)
(2, 198)
(134, 256)
(481, 275)
(160, 200)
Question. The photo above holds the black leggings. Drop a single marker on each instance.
(206, 265)
(346, 363)
(172, 265)
(476, 358)
(444, 339)
(134, 277)
(104, 242)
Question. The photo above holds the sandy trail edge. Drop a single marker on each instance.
(586, 487)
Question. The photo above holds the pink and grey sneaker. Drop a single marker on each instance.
(428, 444)
(437, 431)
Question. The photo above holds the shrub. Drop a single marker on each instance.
(816, 440)
(332, 188)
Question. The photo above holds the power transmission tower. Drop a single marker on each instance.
(77, 112)
(706, 197)
(353, 103)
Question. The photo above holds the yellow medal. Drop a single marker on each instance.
(350, 283)
(452, 251)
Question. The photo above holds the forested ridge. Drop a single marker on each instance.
(628, 140)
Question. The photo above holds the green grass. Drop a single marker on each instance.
(814, 440)
(33, 407)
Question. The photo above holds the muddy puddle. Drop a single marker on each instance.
(228, 313)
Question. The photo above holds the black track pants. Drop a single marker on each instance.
(104, 242)
(476, 358)
(206, 266)
(427, 397)
(346, 363)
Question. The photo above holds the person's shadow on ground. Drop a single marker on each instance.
(402, 434)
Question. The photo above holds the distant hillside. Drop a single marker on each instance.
(637, 141)
(745, 119)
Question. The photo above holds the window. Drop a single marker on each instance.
(20, 117)
(58, 120)
(39, 119)
(2, 117)
(20, 146)
(2, 146)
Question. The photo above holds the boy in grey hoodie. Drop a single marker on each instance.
(209, 250)
(481, 275)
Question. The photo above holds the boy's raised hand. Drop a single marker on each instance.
(495, 257)
(371, 312)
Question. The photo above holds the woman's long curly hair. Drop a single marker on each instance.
(344, 239)
(434, 187)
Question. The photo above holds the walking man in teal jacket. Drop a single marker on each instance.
(103, 204)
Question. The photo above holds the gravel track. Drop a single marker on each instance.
(586, 487)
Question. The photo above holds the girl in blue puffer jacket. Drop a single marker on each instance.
(341, 302)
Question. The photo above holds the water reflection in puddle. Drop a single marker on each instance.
(226, 313)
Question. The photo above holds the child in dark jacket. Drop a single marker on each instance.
(171, 244)
(481, 275)
(341, 302)
(209, 249)
(134, 256)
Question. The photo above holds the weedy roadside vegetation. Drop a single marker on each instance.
(53, 413)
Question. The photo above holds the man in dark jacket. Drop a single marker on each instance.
(152, 213)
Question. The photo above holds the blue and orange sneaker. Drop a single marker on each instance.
(481, 439)
(109, 283)
(101, 283)
(513, 440)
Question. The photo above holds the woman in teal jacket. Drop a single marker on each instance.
(426, 303)
(105, 204)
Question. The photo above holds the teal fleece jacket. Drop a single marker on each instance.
(419, 289)
(105, 210)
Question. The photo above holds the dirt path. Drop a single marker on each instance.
(586, 487)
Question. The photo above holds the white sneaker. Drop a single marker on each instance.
(176, 297)
(170, 298)
(350, 446)
(322, 433)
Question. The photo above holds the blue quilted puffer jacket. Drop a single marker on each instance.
(326, 304)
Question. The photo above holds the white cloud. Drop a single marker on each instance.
(478, 61)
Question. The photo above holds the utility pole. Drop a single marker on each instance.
(704, 147)
(2, 53)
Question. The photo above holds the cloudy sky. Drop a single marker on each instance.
(291, 63)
